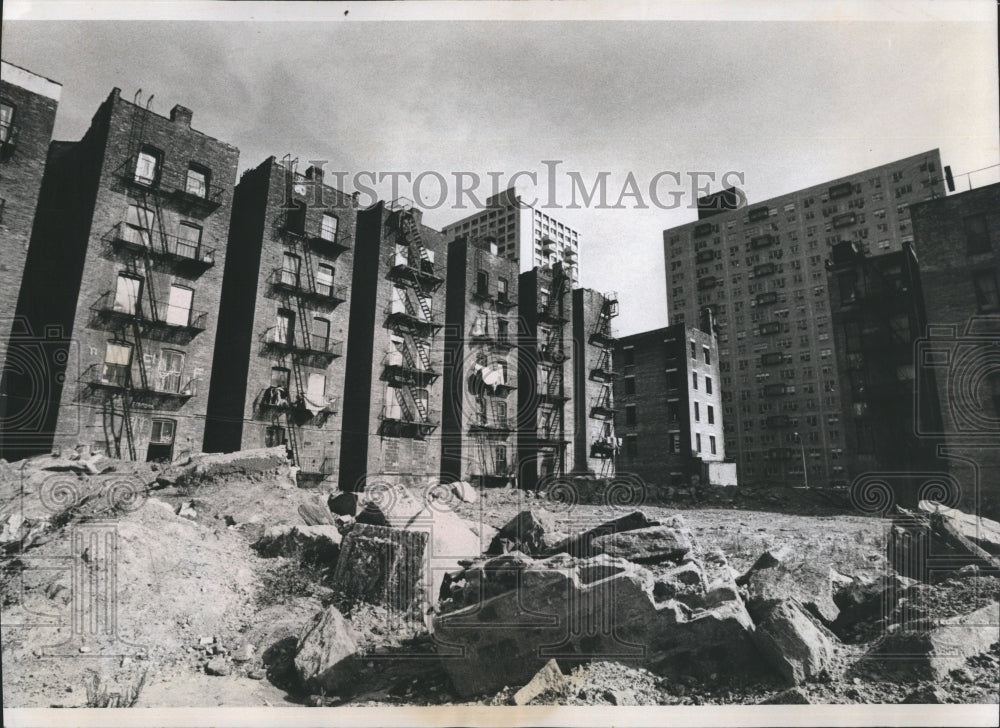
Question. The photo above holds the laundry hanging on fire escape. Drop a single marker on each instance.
(491, 375)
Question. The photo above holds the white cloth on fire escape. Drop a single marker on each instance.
(492, 375)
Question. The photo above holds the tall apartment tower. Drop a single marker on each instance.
(126, 263)
(545, 376)
(28, 105)
(877, 307)
(761, 270)
(958, 238)
(594, 441)
(670, 416)
(279, 368)
(479, 417)
(523, 233)
(395, 343)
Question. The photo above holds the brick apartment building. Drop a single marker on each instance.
(395, 344)
(279, 369)
(594, 442)
(546, 353)
(958, 240)
(877, 308)
(670, 416)
(761, 270)
(125, 265)
(479, 416)
(523, 233)
(28, 104)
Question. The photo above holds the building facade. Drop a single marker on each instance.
(279, 368)
(126, 263)
(958, 239)
(545, 413)
(395, 346)
(28, 104)
(594, 442)
(523, 233)
(670, 416)
(479, 417)
(761, 270)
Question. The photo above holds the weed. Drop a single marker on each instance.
(98, 695)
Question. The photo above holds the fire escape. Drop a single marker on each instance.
(604, 447)
(552, 395)
(410, 316)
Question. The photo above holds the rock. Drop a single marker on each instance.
(620, 697)
(927, 695)
(776, 577)
(320, 544)
(382, 565)
(316, 514)
(792, 642)
(984, 532)
(372, 515)
(186, 510)
(259, 462)
(324, 653)
(769, 559)
(218, 666)
(549, 678)
(244, 653)
(644, 545)
(343, 503)
(579, 544)
(10, 528)
(257, 674)
(906, 655)
(594, 608)
(792, 696)
(205, 641)
(862, 604)
(927, 547)
(961, 675)
(464, 491)
(533, 532)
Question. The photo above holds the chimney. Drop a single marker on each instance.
(181, 115)
(315, 174)
(707, 321)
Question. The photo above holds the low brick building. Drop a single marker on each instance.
(546, 352)
(479, 421)
(395, 344)
(125, 265)
(279, 365)
(28, 104)
(958, 241)
(669, 413)
(595, 445)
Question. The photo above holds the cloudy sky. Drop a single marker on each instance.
(786, 104)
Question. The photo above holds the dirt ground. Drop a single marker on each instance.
(189, 589)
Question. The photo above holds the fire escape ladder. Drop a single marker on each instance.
(403, 406)
(425, 357)
(421, 407)
(424, 302)
(413, 237)
(293, 440)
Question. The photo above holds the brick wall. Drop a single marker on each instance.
(593, 347)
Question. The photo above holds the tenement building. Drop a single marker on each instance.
(126, 263)
(395, 345)
(545, 412)
(523, 233)
(479, 416)
(958, 239)
(28, 105)
(761, 269)
(279, 367)
(669, 417)
(595, 444)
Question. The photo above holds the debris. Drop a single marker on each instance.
(244, 653)
(579, 544)
(549, 678)
(382, 565)
(257, 674)
(863, 603)
(206, 467)
(324, 653)
(927, 695)
(344, 524)
(982, 531)
(927, 547)
(311, 543)
(644, 545)
(464, 491)
(316, 514)
(533, 532)
(186, 510)
(792, 642)
(218, 666)
(776, 576)
(792, 696)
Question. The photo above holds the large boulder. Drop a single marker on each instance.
(778, 575)
(580, 544)
(864, 605)
(983, 532)
(578, 609)
(319, 544)
(547, 680)
(533, 532)
(929, 546)
(324, 654)
(644, 545)
(382, 565)
(257, 463)
(793, 642)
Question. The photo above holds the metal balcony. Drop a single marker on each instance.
(413, 270)
(294, 284)
(603, 338)
(313, 345)
(113, 378)
(551, 352)
(602, 374)
(176, 188)
(171, 248)
(602, 409)
(496, 426)
(397, 317)
(395, 424)
(399, 373)
(602, 449)
(167, 319)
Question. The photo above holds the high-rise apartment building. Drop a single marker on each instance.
(523, 233)
(395, 346)
(279, 367)
(125, 266)
(479, 417)
(28, 105)
(761, 269)
(595, 443)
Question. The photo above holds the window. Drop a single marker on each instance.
(6, 122)
(324, 279)
(274, 436)
(987, 295)
(694, 351)
(631, 446)
(139, 222)
(328, 227)
(321, 334)
(697, 441)
(711, 416)
(500, 459)
(179, 306)
(630, 414)
(707, 355)
(482, 283)
(503, 331)
(162, 432)
(290, 264)
(708, 385)
(197, 180)
(629, 385)
(977, 236)
(316, 390)
(280, 377)
(629, 356)
(189, 241)
(711, 443)
(117, 361)
(284, 330)
(694, 380)
(147, 166)
(127, 294)
(171, 366)
(697, 412)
